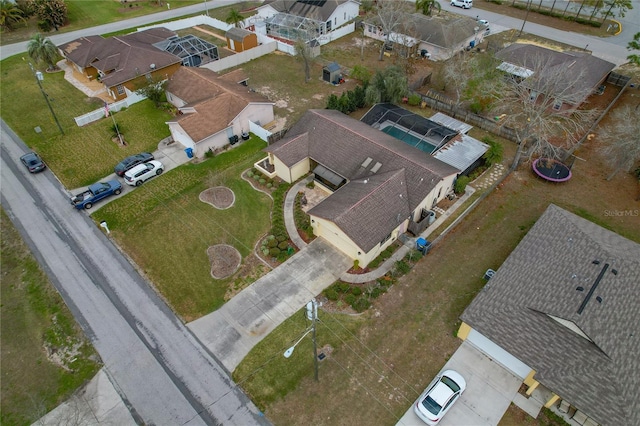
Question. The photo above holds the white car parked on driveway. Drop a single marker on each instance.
(439, 396)
(142, 172)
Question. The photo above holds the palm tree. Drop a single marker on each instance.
(427, 6)
(9, 13)
(234, 17)
(43, 49)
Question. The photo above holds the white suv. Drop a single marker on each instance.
(465, 4)
(142, 172)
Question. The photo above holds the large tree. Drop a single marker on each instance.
(533, 107)
(42, 49)
(388, 85)
(10, 14)
(621, 5)
(51, 13)
(426, 6)
(634, 45)
(622, 138)
(390, 15)
(234, 17)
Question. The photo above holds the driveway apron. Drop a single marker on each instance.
(234, 329)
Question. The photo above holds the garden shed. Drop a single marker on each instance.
(332, 73)
(239, 39)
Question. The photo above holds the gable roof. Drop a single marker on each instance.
(238, 34)
(529, 57)
(530, 307)
(216, 99)
(404, 178)
(441, 32)
(314, 9)
(121, 58)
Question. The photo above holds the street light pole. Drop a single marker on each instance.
(46, 98)
(312, 314)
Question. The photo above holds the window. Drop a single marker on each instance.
(533, 96)
(387, 238)
(120, 89)
(345, 16)
(335, 21)
(557, 105)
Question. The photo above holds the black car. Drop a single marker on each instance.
(131, 162)
(33, 162)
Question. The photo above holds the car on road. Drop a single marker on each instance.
(142, 172)
(33, 162)
(483, 22)
(132, 161)
(439, 396)
(465, 4)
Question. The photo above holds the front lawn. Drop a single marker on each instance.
(83, 154)
(166, 229)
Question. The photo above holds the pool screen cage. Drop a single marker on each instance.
(291, 27)
(385, 114)
(193, 50)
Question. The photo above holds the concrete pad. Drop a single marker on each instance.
(490, 390)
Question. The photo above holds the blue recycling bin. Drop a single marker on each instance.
(423, 245)
(189, 152)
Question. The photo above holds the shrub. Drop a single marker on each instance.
(375, 292)
(331, 294)
(256, 177)
(356, 291)
(361, 73)
(272, 243)
(402, 267)
(461, 184)
(311, 185)
(274, 252)
(250, 173)
(494, 153)
(350, 299)
(356, 264)
(281, 238)
(283, 245)
(344, 287)
(265, 251)
(361, 304)
(414, 100)
(262, 181)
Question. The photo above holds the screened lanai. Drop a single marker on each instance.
(193, 50)
(291, 27)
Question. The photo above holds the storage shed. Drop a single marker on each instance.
(239, 39)
(331, 73)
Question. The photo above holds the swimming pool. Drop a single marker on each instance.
(409, 139)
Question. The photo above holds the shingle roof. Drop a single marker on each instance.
(314, 9)
(590, 69)
(441, 32)
(121, 58)
(538, 281)
(343, 144)
(237, 34)
(217, 99)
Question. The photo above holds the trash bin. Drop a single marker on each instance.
(422, 245)
(489, 274)
(189, 152)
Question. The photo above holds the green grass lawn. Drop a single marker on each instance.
(83, 154)
(90, 13)
(166, 229)
(34, 316)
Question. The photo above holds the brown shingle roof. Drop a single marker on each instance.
(343, 144)
(121, 58)
(539, 279)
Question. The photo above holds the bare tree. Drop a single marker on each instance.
(534, 105)
(622, 138)
(390, 15)
(304, 43)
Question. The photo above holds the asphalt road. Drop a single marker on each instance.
(162, 371)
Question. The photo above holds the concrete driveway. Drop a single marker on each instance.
(490, 390)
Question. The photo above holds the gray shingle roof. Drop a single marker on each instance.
(600, 375)
(342, 144)
(314, 9)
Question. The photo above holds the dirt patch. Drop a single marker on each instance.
(219, 197)
(225, 260)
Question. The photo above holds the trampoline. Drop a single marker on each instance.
(551, 170)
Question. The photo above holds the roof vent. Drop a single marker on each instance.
(580, 288)
(599, 299)
(366, 162)
(376, 167)
(152, 66)
(614, 271)
(596, 262)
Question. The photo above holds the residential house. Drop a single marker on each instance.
(287, 19)
(441, 37)
(377, 184)
(239, 39)
(122, 63)
(562, 313)
(215, 109)
(570, 76)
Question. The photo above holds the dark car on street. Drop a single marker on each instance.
(132, 161)
(33, 162)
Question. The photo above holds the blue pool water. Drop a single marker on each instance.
(409, 139)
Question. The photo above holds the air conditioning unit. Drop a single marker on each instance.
(233, 139)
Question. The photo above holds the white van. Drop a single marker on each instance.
(465, 4)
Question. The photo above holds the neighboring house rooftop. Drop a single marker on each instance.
(388, 179)
(217, 99)
(540, 307)
(314, 9)
(461, 152)
(584, 71)
(439, 31)
(121, 58)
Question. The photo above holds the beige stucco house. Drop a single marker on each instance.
(215, 109)
(562, 312)
(377, 184)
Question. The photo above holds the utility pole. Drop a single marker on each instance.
(525, 17)
(312, 314)
(38, 76)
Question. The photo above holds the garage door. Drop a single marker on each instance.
(498, 354)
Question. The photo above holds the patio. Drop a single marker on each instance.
(91, 88)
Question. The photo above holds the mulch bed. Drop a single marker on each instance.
(219, 197)
(225, 260)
